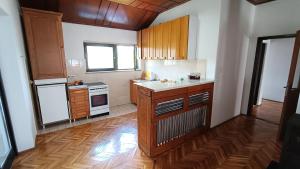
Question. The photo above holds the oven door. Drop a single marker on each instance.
(99, 100)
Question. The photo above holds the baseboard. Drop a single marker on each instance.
(226, 121)
(272, 100)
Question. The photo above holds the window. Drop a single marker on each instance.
(108, 57)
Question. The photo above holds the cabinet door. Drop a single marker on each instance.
(139, 45)
(145, 44)
(45, 43)
(166, 39)
(175, 39)
(151, 43)
(184, 34)
(158, 41)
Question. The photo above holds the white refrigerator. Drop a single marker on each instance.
(53, 103)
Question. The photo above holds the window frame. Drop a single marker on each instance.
(115, 57)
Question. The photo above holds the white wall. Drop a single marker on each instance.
(273, 18)
(276, 69)
(15, 76)
(208, 13)
(75, 35)
(235, 27)
(224, 31)
(175, 70)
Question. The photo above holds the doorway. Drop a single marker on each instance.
(290, 104)
(276, 56)
(266, 94)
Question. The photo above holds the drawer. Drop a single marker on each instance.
(78, 91)
(79, 115)
(80, 107)
(75, 99)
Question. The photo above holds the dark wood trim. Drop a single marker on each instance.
(292, 93)
(258, 67)
(255, 2)
(8, 162)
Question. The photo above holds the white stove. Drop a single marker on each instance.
(99, 98)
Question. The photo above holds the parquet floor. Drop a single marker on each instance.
(242, 143)
(269, 111)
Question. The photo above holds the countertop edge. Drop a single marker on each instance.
(177, 87)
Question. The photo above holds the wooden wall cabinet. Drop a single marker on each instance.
(45, 43)
(166, 41)
(79, 103)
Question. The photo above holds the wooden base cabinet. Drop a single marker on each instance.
(79, 103)
(133, 92)
(45, 43)
(168, 118)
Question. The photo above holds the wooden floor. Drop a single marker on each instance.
(242, 143)
(269, 111)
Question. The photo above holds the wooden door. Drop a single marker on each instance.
(184, 36)
(175, 39)
(166, 39)
(45, 43)
(158, 41)
(145, 44)
(292, 89)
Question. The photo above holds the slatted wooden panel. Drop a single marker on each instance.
(123, 14)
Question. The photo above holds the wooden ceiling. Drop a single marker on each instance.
(122, 14)
(258, 2)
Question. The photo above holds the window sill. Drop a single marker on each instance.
(113, 71)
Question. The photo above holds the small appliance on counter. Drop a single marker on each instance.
(195, 76)
(99, 98)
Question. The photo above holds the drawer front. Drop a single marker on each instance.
(80, 115)
(80, 106)
(76, 99)
(78, 91)
(80, 112)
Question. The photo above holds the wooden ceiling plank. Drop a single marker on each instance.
(103, 9)
(110, 13)
(136, 3)
(136, 14)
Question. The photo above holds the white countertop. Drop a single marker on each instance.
(158, 86)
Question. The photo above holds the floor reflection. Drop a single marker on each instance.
(119, 144)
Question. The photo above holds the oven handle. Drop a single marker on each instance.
(98, 93)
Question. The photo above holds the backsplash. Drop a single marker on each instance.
(75, 35)
(175, 70)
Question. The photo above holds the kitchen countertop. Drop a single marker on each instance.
(158, 86)
(77, 86)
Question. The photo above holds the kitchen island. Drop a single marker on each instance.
(170, 113)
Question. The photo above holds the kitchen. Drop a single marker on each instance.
(97, 83)
(133, 82)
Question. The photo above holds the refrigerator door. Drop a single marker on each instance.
(53, 103)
